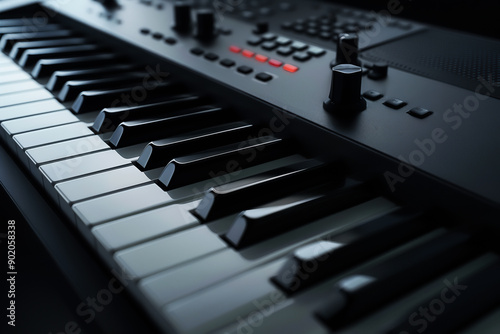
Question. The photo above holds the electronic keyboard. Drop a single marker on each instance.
(251, 167)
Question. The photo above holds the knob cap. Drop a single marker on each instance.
(347, 49)
(345, 90)
(182, 16)
(378, 71)
(109, 4)
(261, 27)
(205, 25)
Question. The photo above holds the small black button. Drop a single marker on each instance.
(315, 51)
(145, 31)
(170, 40)
(245, 69)
(301, 56)
(395, 103)
(263, 77)
(255, 40)
(157, 35)
(287, 25)
(325, 35)
(283, 40)
(269, 36)
(227, 62)
(197, 51)
(312, 32)
(211, 56)
(285, 51)
(372, 95)
(298, 46)
(419, 112)
(299, 28)
(269, 46)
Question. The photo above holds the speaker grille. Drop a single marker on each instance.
(445, 56)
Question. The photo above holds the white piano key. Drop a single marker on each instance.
(225, 303)
(21, 86)
(37, 122)
(63, 150)
(121, 204)
(29, 109)
(159, 254)
(14, 76)
(24, 97)
(128, 231)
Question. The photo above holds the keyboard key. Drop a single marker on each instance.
(20, 47)
(133, 132)
(276, 217)
(24, 97)
(73, 88)
(31, 56)
(135, 229)
(181, 247)
(87, 164)
(109, 118)
(8, 41)
(226, 159)
(19, 86)
(37, 122)
(340, 251)
(360, 293)
(235, 196)
(47, 67)
(14, 76)
(26, 29)
(95, 100)
(59, 78)
(29, 109)
(159, 153)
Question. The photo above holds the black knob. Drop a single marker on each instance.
(109, 4)
(182, 16)
(378, 71)
(345, 90)
(205, 25)
(347, 49)
(261, 27)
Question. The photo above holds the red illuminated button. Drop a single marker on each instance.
(248, 53)
(261, 58)
(235, 49)
(275, 63)
(290, 68)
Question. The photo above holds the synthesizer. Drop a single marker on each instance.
(250, 166)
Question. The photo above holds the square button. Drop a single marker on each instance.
(211, 56)
(283, 40)
(299, 46)
(263, 77)
(395, 103)
(301, 56)
(197, 51)
(227, 62)
(419, 112)
(372, 95)
(315, 51)
(285, 51)
(256, 40)
(245, 69)
(269, 46)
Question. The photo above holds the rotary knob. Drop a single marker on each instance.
(182, 16)
(345, 91)
(347, 49)
(205, 24)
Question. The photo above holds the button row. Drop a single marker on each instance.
(263, 59)
(158, 36)
(243, 69)
(396, 104)
(284, 46)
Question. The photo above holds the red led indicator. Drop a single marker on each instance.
(261, 58)
(248, 53)
(290, 68)
(235, 49)
(275, 63)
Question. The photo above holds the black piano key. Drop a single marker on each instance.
(282, 215)
(31, 56)
(359, 294)
(27, 29)
(222, 160)
(73, 88)
(249, 192)
(94, 100)
(134, 132)
(109, 118)
(59, 78)
(341, 251)
(479, 289)
(46, 67)
(13, 22)
(159, 153)
(9, 40)
(20, 47)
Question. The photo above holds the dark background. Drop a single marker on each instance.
(480, 17)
